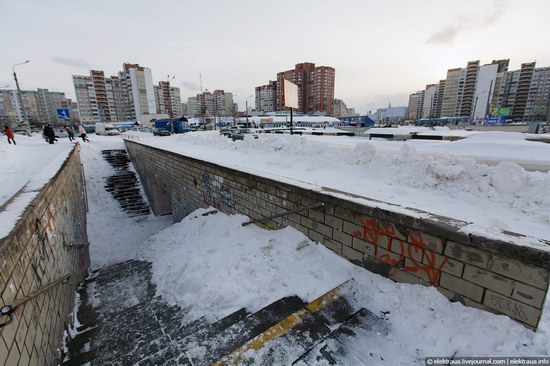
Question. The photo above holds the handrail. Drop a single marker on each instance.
(9, 310)
(318, 205)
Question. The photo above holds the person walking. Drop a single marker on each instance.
(70, 133)
(49, 133)
(82, 132)
(9, 133)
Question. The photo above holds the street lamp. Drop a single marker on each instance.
(25, 120)
(246, 104)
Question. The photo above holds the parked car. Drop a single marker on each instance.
(20, 131)
(161, 132)
(239, 134)
(106, 129)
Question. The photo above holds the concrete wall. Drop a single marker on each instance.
(34, 254)
(493, 275)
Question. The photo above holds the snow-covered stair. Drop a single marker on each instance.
(124, 185)
(122, 322)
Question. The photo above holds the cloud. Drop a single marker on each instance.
(190, 85)
(445, 36)
(74, 62)
(464, 22)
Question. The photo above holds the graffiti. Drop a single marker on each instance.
(508, 306)
(382, 236)
(215, 193)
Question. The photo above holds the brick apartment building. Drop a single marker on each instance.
(315, 88)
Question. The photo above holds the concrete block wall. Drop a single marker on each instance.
(36, 253)
(496, 276)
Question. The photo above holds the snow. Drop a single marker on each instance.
(23, 161)
(27, 167)
(197, 247)
(432, 177)
(408, 130)
(215, 265)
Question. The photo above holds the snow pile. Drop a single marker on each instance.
(218, 266)
(503, 196)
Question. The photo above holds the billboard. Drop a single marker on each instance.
(290, 92)
(503, 112)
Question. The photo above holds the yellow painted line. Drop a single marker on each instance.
(282, 327)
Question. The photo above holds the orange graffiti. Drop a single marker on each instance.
(414, 248)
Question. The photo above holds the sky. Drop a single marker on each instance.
(382, 50)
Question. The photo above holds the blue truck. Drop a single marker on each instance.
(179, 125)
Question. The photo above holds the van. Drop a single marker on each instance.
(106, 129)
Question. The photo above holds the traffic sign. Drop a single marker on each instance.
(63, 113)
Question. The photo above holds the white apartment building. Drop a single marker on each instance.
(119, 98)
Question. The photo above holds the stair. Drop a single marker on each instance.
(124, 185)
(124, 323)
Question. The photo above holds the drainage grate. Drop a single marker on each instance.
(124, 185)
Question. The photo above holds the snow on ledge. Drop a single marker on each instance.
(14, 208)
(522, 239)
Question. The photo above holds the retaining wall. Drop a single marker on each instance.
(493, 275)
(36, 253)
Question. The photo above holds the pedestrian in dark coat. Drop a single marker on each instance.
(49, 133)
(9, 133)
(82, 132)
(70, 133)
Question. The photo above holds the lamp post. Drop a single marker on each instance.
(246, 104)
(25, 120)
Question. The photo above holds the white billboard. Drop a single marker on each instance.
(290, 91)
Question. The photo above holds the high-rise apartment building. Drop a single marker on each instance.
(40, 107)
(415, 103)
(141, 80)
(450, 106)
(479, 91)
(124, 97)
(422, 104)
(192, 107)
(168, 99)
(266, 97)
(315, 88)
(538, 100)
(340, 109)
(218, 103)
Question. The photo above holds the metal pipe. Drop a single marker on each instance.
(318, 205)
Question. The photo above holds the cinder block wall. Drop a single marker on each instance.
(36, 253)
(496, 276)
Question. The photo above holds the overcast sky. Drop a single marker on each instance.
(382, 50)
